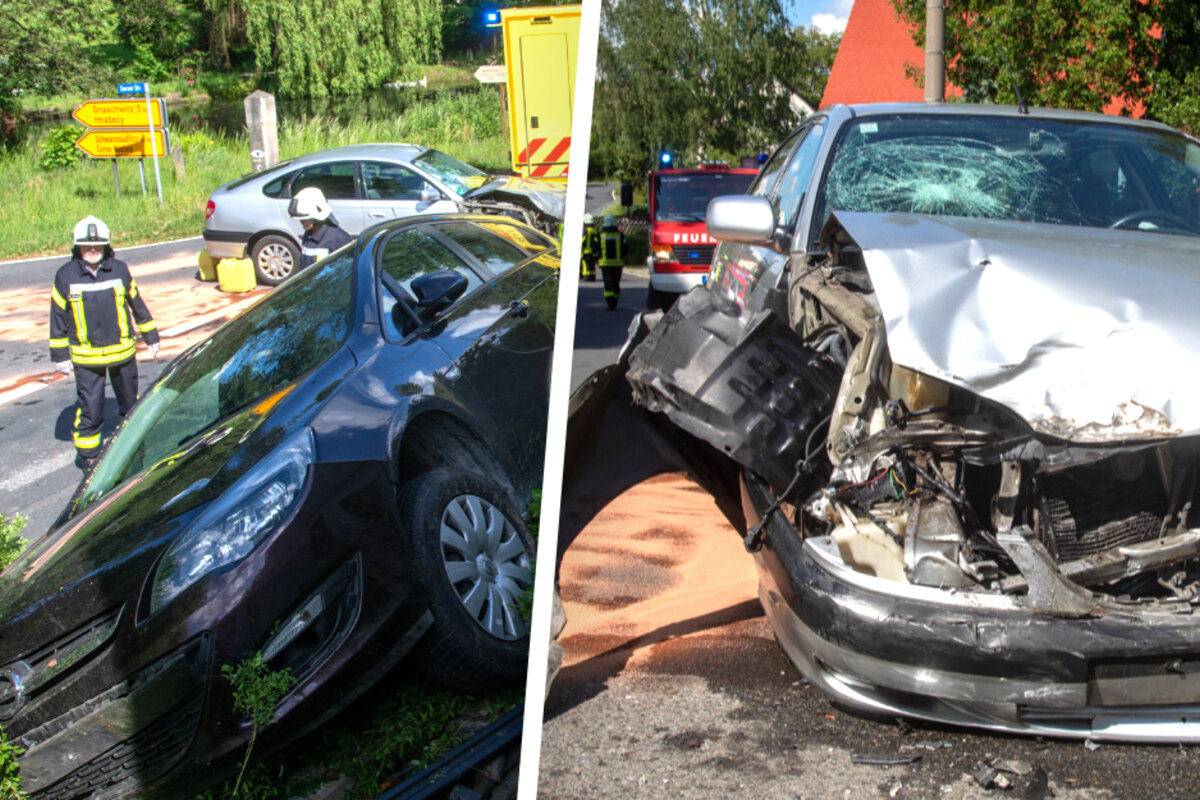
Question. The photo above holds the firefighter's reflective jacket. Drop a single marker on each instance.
(90, 314)
(612, 248)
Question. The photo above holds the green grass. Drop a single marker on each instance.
(44, 205)
(407, 728)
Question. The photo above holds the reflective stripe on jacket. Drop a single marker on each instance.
(90, 314)
(612, 249)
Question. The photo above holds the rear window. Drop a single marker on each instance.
(261, 173)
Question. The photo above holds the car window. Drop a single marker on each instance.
(792, 186)
(527, 239)
(335, 180)
(277, 187)
(408, 255)
(496, 254)
(299, 326)
(769, 176)
(383, 181)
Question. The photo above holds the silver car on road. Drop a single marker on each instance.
(365, 184)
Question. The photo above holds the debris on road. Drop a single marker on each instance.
(885, 761)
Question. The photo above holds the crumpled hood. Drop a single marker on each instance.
(1089, 335)
(548, 198)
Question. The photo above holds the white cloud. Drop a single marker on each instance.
(829, 23)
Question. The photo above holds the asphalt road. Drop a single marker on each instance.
(673, 685)
(37, 471)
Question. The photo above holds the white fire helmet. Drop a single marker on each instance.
(310, 203)
(90, 230)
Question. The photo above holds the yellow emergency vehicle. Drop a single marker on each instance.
(540, 48)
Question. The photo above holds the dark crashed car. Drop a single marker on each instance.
(942, 379)
(333, 479)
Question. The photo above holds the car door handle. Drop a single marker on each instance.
(376, 214)
(519, 308)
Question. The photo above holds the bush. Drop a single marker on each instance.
(11, 545)
(58, 150)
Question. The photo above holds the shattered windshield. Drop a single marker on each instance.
(1082, 173)
(684, 198)
(460, 177)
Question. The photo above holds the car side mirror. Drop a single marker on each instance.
(437, 291)
(742, 219)
(626, 194)
(430, 195)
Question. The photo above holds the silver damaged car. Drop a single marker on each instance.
(943, 379)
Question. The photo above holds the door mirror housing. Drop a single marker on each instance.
(430, 195)
(437, 291)
(626, 194)
(742, 219)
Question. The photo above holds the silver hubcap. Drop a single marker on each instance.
(487, 565)
(275, 261)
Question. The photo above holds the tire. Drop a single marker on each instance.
(478, 641)
(657, 300)
(276, 258)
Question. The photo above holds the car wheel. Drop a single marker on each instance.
(657, 300)
(275, 258)
(474, 554)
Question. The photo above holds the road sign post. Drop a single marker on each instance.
(126, 128)
(153, 148)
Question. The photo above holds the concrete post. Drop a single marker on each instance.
(263, 128)
(935, 51)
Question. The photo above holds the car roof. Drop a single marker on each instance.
(973, 109)
(396, 151)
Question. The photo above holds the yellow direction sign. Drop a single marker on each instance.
(122, 144)
(121, 113)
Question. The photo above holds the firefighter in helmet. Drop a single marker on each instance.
(91, 333)
(590, 252)
(612, 259)
(322, 235)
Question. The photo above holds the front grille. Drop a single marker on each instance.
(129, 766)
(696, 254)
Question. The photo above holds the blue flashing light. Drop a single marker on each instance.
(665, 158)
(491, 19)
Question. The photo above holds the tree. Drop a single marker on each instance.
(1080, 54)
(323, 47)
(817, 50)
(695, 77)
(160, 31)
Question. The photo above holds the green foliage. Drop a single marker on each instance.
(44, 46)
(323, 47)
(146, 66)
(409, 728)
(159, 30)
(694, 78)
(10, 770)
(256, 691)
(1078, 54)
(11, 545)
(58, 151)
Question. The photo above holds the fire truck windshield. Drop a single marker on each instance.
(684, 198)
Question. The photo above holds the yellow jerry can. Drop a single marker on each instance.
(236, 274)
(208, 266)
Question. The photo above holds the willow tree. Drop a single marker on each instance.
(323, 47)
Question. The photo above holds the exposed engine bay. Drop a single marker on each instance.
(912, 479)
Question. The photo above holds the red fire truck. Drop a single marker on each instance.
(680, 250)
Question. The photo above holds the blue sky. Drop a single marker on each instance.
(828, 15)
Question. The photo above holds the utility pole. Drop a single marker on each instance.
(935, 51)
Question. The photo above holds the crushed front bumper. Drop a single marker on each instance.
(890, 649)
